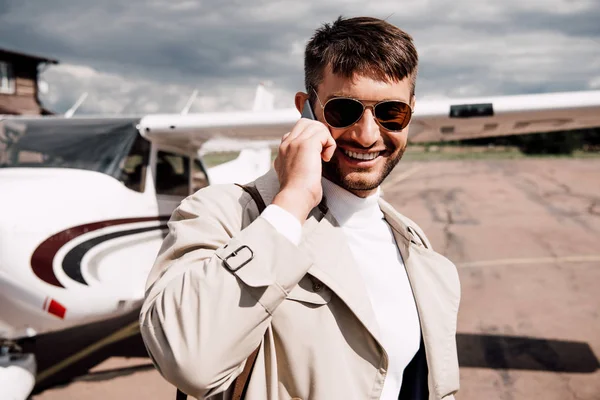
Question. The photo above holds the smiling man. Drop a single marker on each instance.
(328, 292)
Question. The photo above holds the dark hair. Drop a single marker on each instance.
(367, 46)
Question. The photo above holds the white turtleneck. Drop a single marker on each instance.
(373, 246)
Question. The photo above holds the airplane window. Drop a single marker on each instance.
(471, 110)
(172, 174)
(98, 145)
(133, 167)
(199, 177)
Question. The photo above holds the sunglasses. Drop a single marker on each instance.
(342, 112)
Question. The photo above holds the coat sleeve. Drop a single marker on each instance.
(212, 290)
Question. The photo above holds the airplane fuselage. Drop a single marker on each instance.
(78, 238)
(76, 247)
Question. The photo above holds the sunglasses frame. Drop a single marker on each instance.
(364, 107)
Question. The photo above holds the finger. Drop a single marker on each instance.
(285, 141)
(325, 142)
(296, 130)
(318, 138)
(329, 147)
(303, 127)
(311, 132)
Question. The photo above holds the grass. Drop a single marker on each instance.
(212, 159)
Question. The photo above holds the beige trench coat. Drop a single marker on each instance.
(218, 291)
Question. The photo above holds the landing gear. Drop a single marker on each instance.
(17, 372)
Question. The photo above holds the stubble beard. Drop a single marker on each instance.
(333, 172)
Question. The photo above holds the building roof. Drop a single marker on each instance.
(29, 56)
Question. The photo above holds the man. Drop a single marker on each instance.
(342, 296)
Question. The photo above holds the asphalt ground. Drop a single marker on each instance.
(525, 235)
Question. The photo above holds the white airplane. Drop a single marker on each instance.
(84, 201)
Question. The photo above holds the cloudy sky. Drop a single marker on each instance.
(141, 56)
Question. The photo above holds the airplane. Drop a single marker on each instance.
(85, 200)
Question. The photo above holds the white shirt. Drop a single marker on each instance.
(374, 249)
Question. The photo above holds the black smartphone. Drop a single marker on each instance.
(307, 111)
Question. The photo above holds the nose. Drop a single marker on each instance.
(366, 130)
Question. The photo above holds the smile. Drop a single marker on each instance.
(361, 156)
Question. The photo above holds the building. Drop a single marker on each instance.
(19, 83)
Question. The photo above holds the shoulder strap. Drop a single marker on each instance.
(241, 382)
(181, 395)
(253, 191)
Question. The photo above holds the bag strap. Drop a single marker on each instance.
(241, 382)
(180, 395)
(253, 191)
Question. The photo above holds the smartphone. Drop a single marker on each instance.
(307, 111)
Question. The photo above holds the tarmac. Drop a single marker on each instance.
(525, 235)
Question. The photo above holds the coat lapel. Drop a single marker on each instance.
(335, 266)
(436, 289)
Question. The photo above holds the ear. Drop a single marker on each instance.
(299, 101)
(412, 102)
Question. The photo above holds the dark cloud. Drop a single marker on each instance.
(150, 54)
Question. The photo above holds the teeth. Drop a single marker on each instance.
(361, 156)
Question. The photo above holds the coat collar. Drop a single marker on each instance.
(268, 186)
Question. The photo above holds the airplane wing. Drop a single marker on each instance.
(193, 130)
(453, 119)
(433, 121)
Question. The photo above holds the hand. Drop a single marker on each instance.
(298, 167)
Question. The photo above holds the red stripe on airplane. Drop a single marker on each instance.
(55, 308)
(43, 256)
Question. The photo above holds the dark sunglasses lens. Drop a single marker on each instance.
(393, 115)
(341, 113)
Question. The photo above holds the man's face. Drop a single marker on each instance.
(359, 176)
